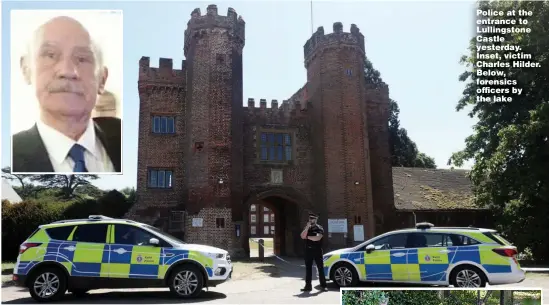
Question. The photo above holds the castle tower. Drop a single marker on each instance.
(214, 162)
(338, 93)
(160, 173)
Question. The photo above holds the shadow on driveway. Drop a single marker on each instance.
(128, 297)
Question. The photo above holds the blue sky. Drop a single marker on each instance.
(415, 45)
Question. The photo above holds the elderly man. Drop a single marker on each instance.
(66, 71)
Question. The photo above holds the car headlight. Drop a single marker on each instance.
(216, 255)
(326, 257)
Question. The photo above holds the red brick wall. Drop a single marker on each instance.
(213, 48)
(332, 120)
(161, 92)
(335, 68)
(210, 233)
(380, 156)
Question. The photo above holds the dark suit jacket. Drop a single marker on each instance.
(30, 155)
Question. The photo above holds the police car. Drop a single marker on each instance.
(462, 257)
(102, 252)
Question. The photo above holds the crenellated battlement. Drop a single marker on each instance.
(320, 41)
(285, 108)
(164, 73)
(200, 24)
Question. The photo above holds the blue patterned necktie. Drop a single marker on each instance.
(77, 155)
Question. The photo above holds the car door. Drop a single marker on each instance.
(428, 255)
(387, 262)
(131, 255)
(86, 251)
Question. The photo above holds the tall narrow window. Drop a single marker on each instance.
(275, 147)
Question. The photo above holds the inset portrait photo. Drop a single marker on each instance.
(66, 91)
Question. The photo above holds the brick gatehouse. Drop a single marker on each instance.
(204, 156)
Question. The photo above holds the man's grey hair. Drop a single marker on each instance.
(36, 38)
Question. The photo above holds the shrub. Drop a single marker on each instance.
(20, 220)
(413, 297)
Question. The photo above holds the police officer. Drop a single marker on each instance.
(312, 234)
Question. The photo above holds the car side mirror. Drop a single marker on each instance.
(154, 241)
(370, 248)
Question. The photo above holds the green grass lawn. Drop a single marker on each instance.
(7, 269)
(268, 243)
(7, 265)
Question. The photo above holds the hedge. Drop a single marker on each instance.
(19, 220)
(407, 297)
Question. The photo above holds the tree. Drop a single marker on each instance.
(510, 143)
(26, 188)
(88, 191)
(404, 151)
(66, 183)
(22, 179)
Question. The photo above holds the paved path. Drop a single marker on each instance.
(254, 283)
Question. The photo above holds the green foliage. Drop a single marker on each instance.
(433, 297)
(20, 220)
(460, 297)
(88, 191)
(413, 297)
(404, 151)
(66, 184)
(358, 297)
(509, 143)
(65, 187)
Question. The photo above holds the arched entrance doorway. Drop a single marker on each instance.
(288, 207)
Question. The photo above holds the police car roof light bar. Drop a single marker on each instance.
(69, 220)
(98, 217)
(459, 228)
(424, 225)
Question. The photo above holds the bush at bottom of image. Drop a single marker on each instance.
(410, 297)
(366, 297)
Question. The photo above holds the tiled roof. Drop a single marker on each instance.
(432, 189)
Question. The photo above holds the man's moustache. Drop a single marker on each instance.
(64, 87)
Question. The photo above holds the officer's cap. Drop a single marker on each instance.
(312, 215)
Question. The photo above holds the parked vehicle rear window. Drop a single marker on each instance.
(60, 233)
(32, 234)
(497, 238)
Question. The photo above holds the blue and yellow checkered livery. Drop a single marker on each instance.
(106, 259)
(427, 264)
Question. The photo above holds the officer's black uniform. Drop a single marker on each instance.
(313, 252)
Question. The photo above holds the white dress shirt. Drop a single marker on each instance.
(58, 146)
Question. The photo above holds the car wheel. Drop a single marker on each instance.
(47, 284)
(79, 292)
(186, 281)
(344, 275)
(467, 277)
